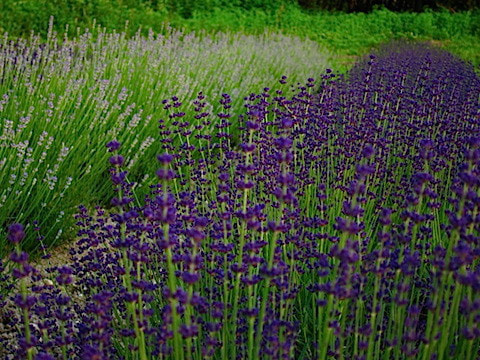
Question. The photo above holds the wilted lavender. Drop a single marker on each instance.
(340, 222)
(59, 99)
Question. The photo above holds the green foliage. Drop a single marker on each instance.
(396, 5)
(19, 18)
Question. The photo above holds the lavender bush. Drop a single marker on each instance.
(60, 100)
(344, 225)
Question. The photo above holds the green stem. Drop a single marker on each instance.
(177, 341)
(373, 314)
(324, 345)
(188, 310)
(241, 245)
(265, 293)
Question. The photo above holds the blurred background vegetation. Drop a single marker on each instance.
(346, 28)
(395, 5)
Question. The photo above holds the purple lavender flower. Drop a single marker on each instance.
(16, 233)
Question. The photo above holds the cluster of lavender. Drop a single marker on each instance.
(60, 98)
(341, 223)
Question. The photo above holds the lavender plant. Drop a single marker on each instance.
(343, 225)
(60, 99)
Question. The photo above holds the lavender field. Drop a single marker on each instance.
(338, 219)
(62, 100)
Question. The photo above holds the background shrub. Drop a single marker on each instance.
(396, 5)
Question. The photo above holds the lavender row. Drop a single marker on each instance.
(340, 222)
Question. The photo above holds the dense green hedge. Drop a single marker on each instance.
(396, 5)
(19, 17)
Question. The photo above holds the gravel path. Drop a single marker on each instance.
(9, 326)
